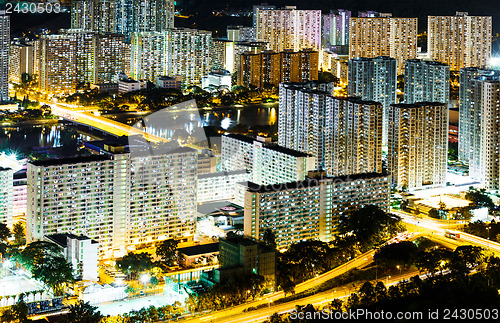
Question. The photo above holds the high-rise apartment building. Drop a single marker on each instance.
(426, 81)
(479, 125)
(120, 199)
(74, 56)
(344, 134)
(263, 6)
(57, 63)
(4, 55)
(470, 112)
(336, 28)
(189, 53)
(309, 209)
(387, 36)
(268, 163)
(459, 41)
(6, 196)
(418, 144)
(122, 16)
(21, 60)
(289, 28)
(148, 55)
(110, 57)
(374, 79)
(269, 67)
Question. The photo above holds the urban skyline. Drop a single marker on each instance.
(155, 166)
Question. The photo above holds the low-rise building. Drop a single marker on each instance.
(105, 87)
(169, 82)
(81, 252)
(129, 85)
(200, 255)
(309, 209)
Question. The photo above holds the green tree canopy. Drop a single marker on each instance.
(167, 251)
(19, 234)
(134, 263)
(370, 225)
(83, 312)
(396, 254)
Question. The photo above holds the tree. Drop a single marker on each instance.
(370, 225)
(167, 251)
(478, 197)
(269, 238)
(396, 254)
(19, 234)
(134, 263)
(54, 272)
(69, 140)
(83, 312)
(4, 232)
(16, 313)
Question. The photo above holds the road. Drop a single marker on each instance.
(316, 299)
(89, 119)
(436, 230)
(222, 316)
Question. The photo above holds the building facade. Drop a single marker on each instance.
(383, 36)
(418, 144)
(336, 28)
(148, 55)
(309, 209)
(480, 128)
(188, 54)
(21, 60)
(6, 196)
(344, 134)
(4, 55)
(289, 28)
(459, 41)
(120, 200)
(219, 185)
(470, 115)
(374, 79)
(272, 68)
(426, 81)
(268, 163)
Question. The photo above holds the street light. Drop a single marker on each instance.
(398, 267)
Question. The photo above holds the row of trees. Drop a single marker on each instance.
(134, 263)
(458, 290)
(358, 232)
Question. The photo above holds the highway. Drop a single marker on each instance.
(224, 315)
(316, 299)
(104, 124)
(436, 229)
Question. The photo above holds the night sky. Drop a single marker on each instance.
(203, 8)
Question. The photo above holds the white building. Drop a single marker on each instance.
(418, 144)
(308, 209)
(374, 79)
(460, 41)
(336, 28)
(344, 134)
(482, 132)
(268, 163)
(426, 81)
(220, 185)
(119, 199)
(289, 28)
(81, 252)
(470, 117)
(167, 82)
(129, 85)
(4, 55)
(216, 81)
(6, 196)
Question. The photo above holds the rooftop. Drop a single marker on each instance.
(70, 160)
(271, 146)
(61, 239)
(200, 249)
(221, 206)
